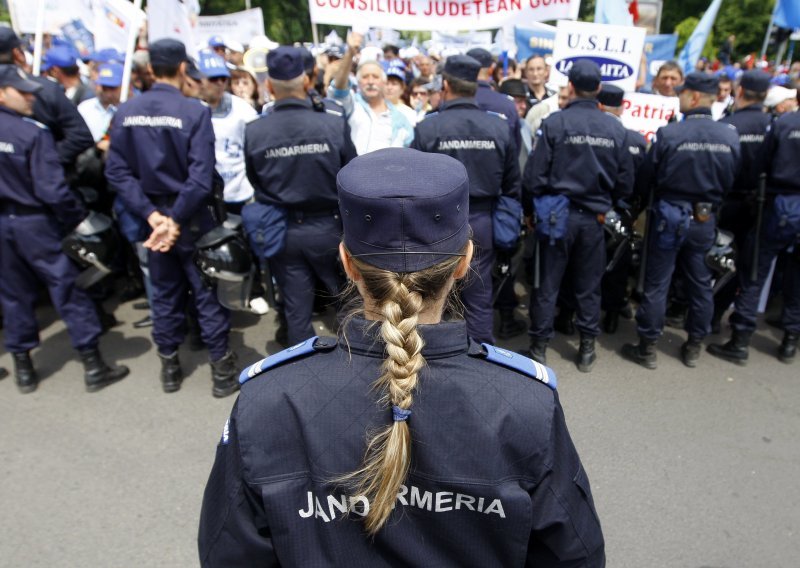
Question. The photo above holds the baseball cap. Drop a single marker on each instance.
(8, 39)
(216, 41)
(777, 95)
(167, 52)
(109, 75)
(584, 75)
(212, 65)
(700, 82)
(482, 56)
(755, 80)
(13, 76)
(464, 67)
(60, 56)
(285, 63)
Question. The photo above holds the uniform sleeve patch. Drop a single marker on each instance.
(35, 122)
(226, 430)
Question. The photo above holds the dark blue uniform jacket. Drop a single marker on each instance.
(751, 123)
(782, 147)
(162, 154)
(32, 176)
(479, 140)
(695, 160)
(489, 99)
(495, 479)
(582, 153)
(53, 109)
(293, 153)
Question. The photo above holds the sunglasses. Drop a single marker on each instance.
(217, 79)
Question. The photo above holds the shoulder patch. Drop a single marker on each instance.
(497, 114)
(311, 345)
(521, 364)
(35, 122)
(334, 112)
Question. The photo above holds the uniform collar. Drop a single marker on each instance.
(583, 103)
(698, 112)
(463, 102)
(444, 339)
(9, 111)
(163, 87)
(753, 107)
(291, 103)
(484, 85)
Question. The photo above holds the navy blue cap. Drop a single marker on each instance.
(611, 95)
(212, 65)
(285, 63)
(483, 56)
(8, 39)
(109, 75)
(61, 56)
(13, 76)
(404, 210)
(584, 75)
(193, 71)
(755, 80)
(462, 67)
(309, 61)
(700, 82)
(168, 52)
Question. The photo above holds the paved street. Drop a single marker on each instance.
(690, 468)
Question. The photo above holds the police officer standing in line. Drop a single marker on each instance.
(489, 99)
(690, 166)
(781, 230)
(468, 462)
(36, 208)
(292, 156)
(481, 141)
(161, 161)
(739, 206)
(52, 107)
(580, 168)
(614, 288)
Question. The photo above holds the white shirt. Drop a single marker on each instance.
(96, 117)
(229, 120)
(373, 131)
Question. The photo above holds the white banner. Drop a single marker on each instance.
(113, 20)
(648, 113)
(441, 15)
(616, 49)
(239, 26)
(56, 14)
(172, 19)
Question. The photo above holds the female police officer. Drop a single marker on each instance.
(468, 460)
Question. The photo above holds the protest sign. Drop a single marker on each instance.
(57, 13)
(616, 49)
(440, 15)
(238, 26)
(647, 113)
(76, 33)
(538, 39)
(172, 19)
(113, 20)
(658, 49)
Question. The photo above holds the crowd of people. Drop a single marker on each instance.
(202, 141)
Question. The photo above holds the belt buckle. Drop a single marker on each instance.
(702, 211)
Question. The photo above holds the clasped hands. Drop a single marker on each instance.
(165, 232)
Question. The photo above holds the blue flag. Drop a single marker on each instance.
(694, 46)
(787, 14)
(613, 12)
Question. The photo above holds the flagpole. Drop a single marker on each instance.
(766, 36)
(136, 24)
(37, 43)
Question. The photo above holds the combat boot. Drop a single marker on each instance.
(690, 352)
(171, 372)
(735, 350)
(224, 376)
(643, 354)
(25, 374)
(563, 322)
(586, 354)
(97, 374)
(3, 373)
(509, 327)
(538, 350)
(788, 348)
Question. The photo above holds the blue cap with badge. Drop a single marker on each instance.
(397, 70)
(285, 63)
(404, 210)
(13, 76)
(212, 65)
(584, 75)
(216, 41)
(168, 52)
(109, 75)
(700, 82)
(61, 56)
(462, 67)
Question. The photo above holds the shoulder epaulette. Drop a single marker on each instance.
(497, 114)
(518, 363)
(35, 122)
(312, 345)
(334, 112)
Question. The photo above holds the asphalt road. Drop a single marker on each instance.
(689, 467)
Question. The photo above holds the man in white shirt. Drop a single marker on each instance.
(98, 112)
(375, 123)
(229, 115)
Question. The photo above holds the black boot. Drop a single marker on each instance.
(3, 373)
(586, 354)
(97, 374)
(734, 350)
(538, 350)
(225, 376)
(788, 348)
(27, 379)
(690, 352)
(643, 354)
(171, 372)
(509, 327)
(611, 321)
(563, 322)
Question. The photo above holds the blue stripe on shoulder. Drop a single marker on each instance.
(521, 364)
(276, 359)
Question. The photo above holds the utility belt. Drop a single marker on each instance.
(672, 219)
(11, 208)
(298, 215)
(600, 217)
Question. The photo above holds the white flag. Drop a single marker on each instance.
(172, 19)
(56, 14)
(113, 21)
